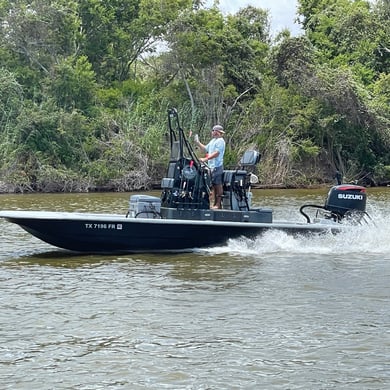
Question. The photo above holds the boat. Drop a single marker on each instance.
(181, 218)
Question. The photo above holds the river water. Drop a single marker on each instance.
(273, 313)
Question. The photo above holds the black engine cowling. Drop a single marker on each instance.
(346, 198)
(344, 201)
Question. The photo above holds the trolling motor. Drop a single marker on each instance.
(344, 201)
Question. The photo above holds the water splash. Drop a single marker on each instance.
(368, 239)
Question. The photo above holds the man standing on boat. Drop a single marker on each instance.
(215, 151)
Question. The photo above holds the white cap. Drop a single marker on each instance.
(219, 128)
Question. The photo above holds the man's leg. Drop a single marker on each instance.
(212, 197)
(218, 188)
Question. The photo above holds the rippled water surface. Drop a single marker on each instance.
(272, 313)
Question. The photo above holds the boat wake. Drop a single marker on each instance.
(367, 239)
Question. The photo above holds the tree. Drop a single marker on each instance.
(39, 31)
(73, 84)
(117, 32)
(346, 33)
(11, 104)
(381, 13)
(246, 43)
(219, 60)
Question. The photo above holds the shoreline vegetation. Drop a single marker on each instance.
(10, 189)
(155, 186)
(85, 88)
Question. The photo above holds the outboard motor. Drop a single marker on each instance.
(346, 198)
(344, 201)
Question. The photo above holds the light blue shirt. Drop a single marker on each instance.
(211, 147)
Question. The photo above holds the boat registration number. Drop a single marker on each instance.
(111, 226)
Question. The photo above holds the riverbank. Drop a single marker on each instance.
(12, 189)
(19, 189)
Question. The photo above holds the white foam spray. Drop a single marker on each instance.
(372, 238)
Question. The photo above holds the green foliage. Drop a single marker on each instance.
(293, 61)
(306, 149)
(11, 100)
(218, 61)
(73, 84)
(117, 32)
(246, 44)
(85, 86)
(39, 31)
(349, 33)
(122, 166)
(382, 173)
(51, 179)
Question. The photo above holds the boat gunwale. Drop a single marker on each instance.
(19, 215)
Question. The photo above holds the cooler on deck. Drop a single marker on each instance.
(144, 206)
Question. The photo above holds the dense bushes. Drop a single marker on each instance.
(84, 93)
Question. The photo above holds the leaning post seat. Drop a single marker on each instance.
(234, 177)
(250, 159)
(234, 189)
(237, 181)
(239, 177)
